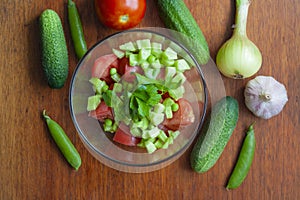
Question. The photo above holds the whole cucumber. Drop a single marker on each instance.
(55, 60)
(215, 134)
(176, 16)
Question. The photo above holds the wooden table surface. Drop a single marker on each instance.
(33, 168)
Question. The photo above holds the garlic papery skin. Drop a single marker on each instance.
(265, 97)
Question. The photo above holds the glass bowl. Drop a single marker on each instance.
(90, 130)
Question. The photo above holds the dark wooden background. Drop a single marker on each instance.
(31, 167)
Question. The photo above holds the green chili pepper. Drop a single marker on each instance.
(244, 161)
(63, 142)
(76, 30)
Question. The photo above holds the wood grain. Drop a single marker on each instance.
(32, 167)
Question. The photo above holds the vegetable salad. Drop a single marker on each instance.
(139, 94)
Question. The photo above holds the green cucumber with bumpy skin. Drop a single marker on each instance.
(55, 60)
(176, 16)
(215, 134)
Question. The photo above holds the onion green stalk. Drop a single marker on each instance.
(239, 57)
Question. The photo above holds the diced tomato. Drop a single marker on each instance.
(192, 75)
(162, 74)
(165, 95)
(123, 136)
(115, 64)
(122, 63)
(102, 112)
(129, 75)
(184, 116)
(126, 71)
(103, 65)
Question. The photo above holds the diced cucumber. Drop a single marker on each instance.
(168, 102)
(158, 144)
(136, 132)
(128, 53)
(179, 78)
(143, 44)
(168, 112)
(169, 54)
(98, 85)
(174, 134)
(177, 93)
(151, 59)
(156, 53)
(156, 46)
(156, 118)
(151, 140)
(155, 64)
(153, 133)
(156, 49)
(133, 59)
(166, 144)
(151, 73)
(144, 65)
(181, 65)
(144, 54)
(141, 144)
(167, 62)
(150, 146)
(93, 102)
(159, 108)
(143, 124)
(162, 136)
(118, 53)
(170, 140)
(169, 73)
(129, 46)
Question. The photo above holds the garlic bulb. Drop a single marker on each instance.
(265, 96)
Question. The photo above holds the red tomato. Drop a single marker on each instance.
(162, 74)
(120, 14)
(127, 71)
(123, 136)
(103, 65)
(115, 64)
(122, 65)
(192, 75)
(165, 95)
(102, 112)
(184, 116)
